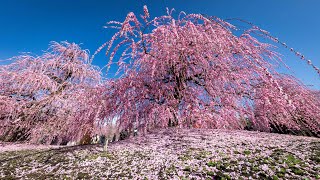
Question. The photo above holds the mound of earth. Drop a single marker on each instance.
(172, 154)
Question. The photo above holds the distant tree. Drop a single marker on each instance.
(194, 71)
(47, 98)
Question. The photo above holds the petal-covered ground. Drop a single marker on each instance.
(171, 154)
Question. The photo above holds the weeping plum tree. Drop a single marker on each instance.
(198, 71)
(48, 98)
(191, 71)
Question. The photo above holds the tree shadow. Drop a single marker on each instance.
(52, 151)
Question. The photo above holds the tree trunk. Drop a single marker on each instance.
(105, 145)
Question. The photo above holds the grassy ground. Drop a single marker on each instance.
(172, 154)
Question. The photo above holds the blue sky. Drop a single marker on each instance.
(29, 25)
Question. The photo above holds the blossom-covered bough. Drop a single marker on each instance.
(194, 71)
(46, 99)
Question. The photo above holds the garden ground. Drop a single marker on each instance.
(170, 154)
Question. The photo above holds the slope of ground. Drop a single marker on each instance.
(172, 154)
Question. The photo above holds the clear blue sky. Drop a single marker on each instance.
(29, 25)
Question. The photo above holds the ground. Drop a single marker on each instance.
(171, 154)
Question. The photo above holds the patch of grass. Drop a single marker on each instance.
(219, 165)
(10, 177)
(187, 168)
(226, 176)
(277, 152)
(267, 160)
(247, 152)
(92, 157)
(211, 163)
(108, 155)
(202, 154)
(255, 168)
(82, 175)
(280, 175)
(236, 152)
(221, 176)
(315, 157)
(282, 170)
(40, 175)
(184, 157)
(291, 160)
(171, 169)
(262, 175)
(297, 171)
(210, 173)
